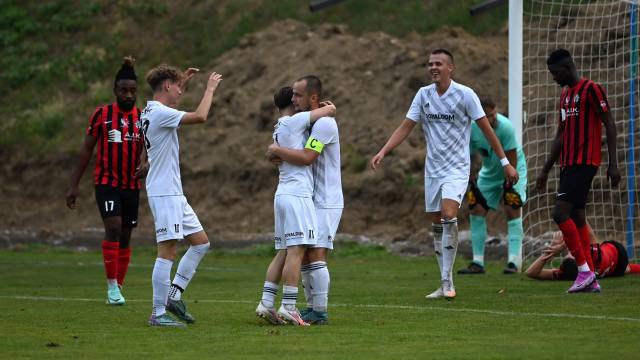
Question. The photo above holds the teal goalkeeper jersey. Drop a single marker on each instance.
(491, 167)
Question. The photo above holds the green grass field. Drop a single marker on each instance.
(53, 304)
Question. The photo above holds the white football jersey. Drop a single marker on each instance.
(291, 132)
(446, 124)
(160, 125)
(327, 176)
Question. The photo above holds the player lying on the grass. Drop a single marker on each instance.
(446, 110)
(115, 128)
(322, 151)
(173, 217)
(584, 108)
(294, 212)
(609, 259)
(488, 187)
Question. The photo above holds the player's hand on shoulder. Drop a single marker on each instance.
(71, 196)
(329, 105)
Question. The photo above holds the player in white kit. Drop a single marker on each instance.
(445, 109)
(322, 150)
(173, 217)
(295, 217)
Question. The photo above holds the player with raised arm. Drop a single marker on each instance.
(487, 188)
(116, 129)
(445, 109)
(294, 213)
(322, 149)
(583, 109)
(173, 216)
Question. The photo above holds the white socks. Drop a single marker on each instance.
(305, 274)
(319, 274)
(160, 280)
(449, 248)
(437, 243)
(187, 269)
(290, 296)
(269, 293)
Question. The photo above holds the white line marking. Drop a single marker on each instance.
(366, 306)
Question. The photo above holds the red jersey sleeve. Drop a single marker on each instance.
(95, 122)
(598, 98)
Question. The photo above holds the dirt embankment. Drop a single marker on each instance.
(372, 79)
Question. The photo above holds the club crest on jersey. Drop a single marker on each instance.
(138, 123)
(576, 98)
(123, 122)
(115, 136)
(566, 100)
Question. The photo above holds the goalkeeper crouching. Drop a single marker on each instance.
(489, 188)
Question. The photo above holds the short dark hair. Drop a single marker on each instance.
(163, 72)
(568, 269)
(126, 71)
(282, 97)
(486, 102)
(443, 51)
(558, 55)
(314, 85)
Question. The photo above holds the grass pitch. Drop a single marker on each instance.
(53, 304)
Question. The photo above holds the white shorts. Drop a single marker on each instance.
(295, 221)
(436, 189)
(173, 217)
(328, 221)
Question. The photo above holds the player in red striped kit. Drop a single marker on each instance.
(116, 130)
(584, 108)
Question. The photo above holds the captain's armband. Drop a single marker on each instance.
(314, 145)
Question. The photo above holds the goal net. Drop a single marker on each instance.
(602, 37)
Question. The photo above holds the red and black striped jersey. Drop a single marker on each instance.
(120, 141)
(581, 109)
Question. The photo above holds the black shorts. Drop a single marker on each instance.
(575, 183)
(113, 201)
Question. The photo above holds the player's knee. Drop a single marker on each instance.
(560, 216)
(203, 248)
(113, 233)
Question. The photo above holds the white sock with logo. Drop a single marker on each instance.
(187, 268)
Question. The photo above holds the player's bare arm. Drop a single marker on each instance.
(398, 136)
(512, 156)
(613, 174)
(86, 151)
(293, 156)
(536, 270)
(510, 173)
(202, 112)
(556, 146)
(327, 108)
(143, 167)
